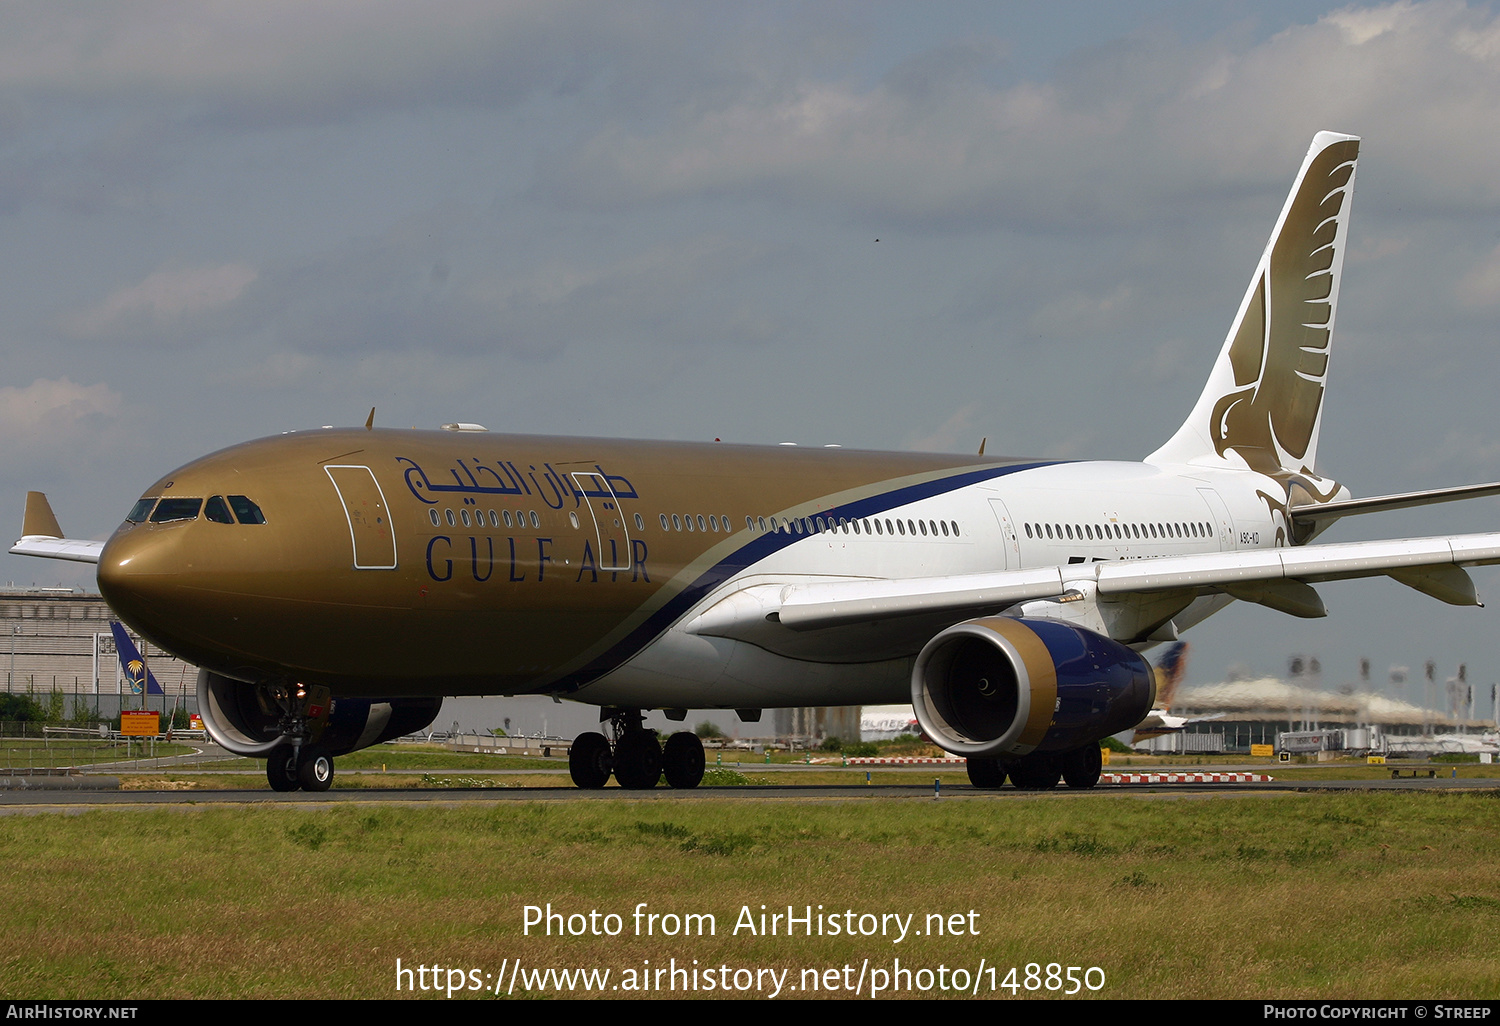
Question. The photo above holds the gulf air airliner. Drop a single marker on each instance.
(335, 585)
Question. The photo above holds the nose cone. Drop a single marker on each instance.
(145, 581)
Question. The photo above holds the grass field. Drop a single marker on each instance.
(1298, 895)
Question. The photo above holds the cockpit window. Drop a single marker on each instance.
(176, 509)
(247, 511)
(140, 511)
(217, 510)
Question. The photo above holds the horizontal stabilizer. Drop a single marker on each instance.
(1382, 503)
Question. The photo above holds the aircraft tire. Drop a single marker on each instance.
(1082, 768)
(682, 760)
(315, 770)
(986, 773)
(1037, 772)
(638, 760)
(281, 769)
(589, 761)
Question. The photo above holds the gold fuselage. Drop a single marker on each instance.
(475, 563)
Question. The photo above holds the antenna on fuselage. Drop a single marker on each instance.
(370, 420)
(986, 438)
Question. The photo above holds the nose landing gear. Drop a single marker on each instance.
(307, 767)
(638, 760)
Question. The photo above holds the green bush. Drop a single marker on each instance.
(832, 744)
(21, 707)
(708, 729)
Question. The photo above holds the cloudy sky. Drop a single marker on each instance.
(219, 221)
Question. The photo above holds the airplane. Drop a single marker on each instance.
(334, 585)
(1171, 669)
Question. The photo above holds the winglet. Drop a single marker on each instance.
(40, 535)
(39, 520)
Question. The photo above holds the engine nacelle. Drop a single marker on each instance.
(245, 719)
(1003, 687)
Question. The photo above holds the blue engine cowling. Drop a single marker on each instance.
(1003, 687)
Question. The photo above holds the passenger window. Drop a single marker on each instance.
(216, 510)
(701, 525)
(169, 510)
(245, 511)
(536, 521)
(140, 511)
(640, 522)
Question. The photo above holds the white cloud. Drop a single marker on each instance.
(54, 412)
(162, 300)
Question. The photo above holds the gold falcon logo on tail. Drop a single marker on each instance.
(1264, 400)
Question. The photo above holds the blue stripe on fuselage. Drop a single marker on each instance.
(759, 548)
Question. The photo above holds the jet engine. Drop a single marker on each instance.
(1003, 687)
(252, 719)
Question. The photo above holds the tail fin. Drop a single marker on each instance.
(137, 677)
(1263, 404)
(1170, 669)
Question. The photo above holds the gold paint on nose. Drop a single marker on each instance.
(141, 579)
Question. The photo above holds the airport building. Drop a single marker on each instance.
(1232, 716)
(58, 643)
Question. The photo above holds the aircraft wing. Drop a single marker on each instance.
(1280, 578)
(40, 535)
(77, 550)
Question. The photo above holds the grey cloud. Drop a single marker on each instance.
(1125, 133)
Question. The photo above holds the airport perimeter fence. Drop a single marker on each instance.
(29, 747)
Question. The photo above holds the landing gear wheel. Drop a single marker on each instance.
(589, 761)
(281, 769)
(682, 760)
(986, 772)
(1035, 772)
(315, 770)
(638, 760)
(1081, 768)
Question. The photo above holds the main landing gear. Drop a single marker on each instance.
(637, 759)
(1040, 771)
(305, 766)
